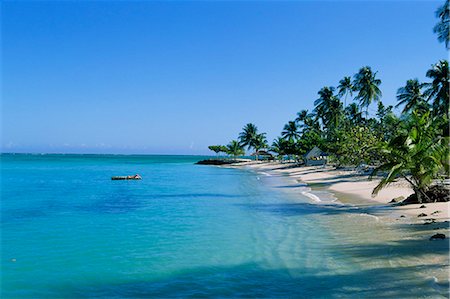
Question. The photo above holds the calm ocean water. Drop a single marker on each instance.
(68, 231)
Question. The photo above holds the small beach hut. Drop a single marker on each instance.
(264, 155)
(316, 157)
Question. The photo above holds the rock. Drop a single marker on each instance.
(422, 207)
(435, 212)
(422, 215)
(397, 199)
(402, 216)
(437, 237)
(436, 193)
(217, 162)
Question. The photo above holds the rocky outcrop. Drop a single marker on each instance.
(437, 237)
(436, 193)
(217, 162)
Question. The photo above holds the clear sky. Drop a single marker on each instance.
(175, 77)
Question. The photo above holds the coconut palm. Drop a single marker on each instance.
(367, 86)
(301, 116)
(417, 154)
(345, 88)
(438, 90)
(290, 131)
(247, 136)
(279, 146)
(411, 96)
(353, 113)
(235, 149)
(259, 142)
(442, 28)
(307, 121)
(328, 107)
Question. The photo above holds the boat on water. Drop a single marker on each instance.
(127, 177)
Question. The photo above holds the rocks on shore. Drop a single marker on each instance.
(422, 215)
(397, 199)
(437, 237)
(437, 193)
(217, 162)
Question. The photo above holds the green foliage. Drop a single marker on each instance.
(411, 96)
(216, 148)
(309, 139)
(234, 149)
(367, 86)
(328, 107)
(356, 144)
(438, 89)
(290, 131)
(442, 28)
(260, 142)
(353, 114)
(345, 88)
(248, 134)
(417, 153)
(279, 146)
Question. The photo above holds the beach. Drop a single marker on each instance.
(353, 187)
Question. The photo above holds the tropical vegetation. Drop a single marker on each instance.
(413, 145)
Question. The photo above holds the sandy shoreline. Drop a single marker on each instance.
(355, 188)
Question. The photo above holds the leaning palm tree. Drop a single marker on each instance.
(247, 135)
(438, 90)
(367, 86)
(418, 154)
(235, 149)
(411, 96)
(290, 131)
(345, 88)
(442, 28)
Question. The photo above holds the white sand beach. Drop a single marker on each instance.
(351, 186)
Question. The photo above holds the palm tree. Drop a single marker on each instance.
(301, 116)
(247, 135)
(259, 142)
(279, 146)
(442, 28)
(418, 154)
(411, 96)
(353, 113)
(438, 89)
(366, 85)
(290, 131)
(235, 149)
(328, 107)
(345, 88)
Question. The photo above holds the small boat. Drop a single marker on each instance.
(128, 177)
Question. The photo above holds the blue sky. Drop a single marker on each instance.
(175, 77)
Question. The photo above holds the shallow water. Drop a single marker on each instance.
(195, 231)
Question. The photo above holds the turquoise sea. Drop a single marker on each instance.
(184, 230)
